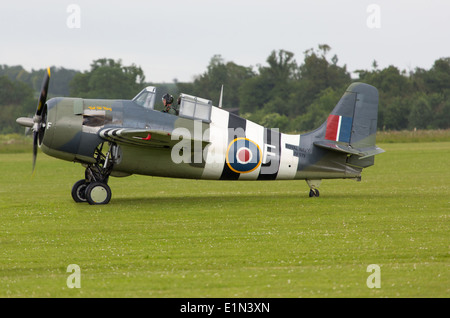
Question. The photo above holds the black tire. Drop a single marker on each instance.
(79, 191)
(313, 193)
(98, 193)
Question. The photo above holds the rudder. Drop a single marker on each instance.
(365, 117)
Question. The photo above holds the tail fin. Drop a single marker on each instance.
(352, 125)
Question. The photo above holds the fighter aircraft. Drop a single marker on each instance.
(200, 141)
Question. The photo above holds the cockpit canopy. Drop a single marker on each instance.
(190, 106)
(195, 108)
(146, 98)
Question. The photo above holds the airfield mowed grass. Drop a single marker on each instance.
(193, 238)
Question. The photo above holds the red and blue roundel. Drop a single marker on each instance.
(243, 155)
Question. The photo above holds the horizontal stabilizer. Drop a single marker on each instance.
(371, 152)
(362, 153)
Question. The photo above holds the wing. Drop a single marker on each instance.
(143, 137)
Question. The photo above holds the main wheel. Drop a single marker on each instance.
(98, 193)
(313, 193)
(79, 191)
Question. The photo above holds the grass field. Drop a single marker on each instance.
(191, 238)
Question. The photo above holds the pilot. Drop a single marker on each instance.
(167, 102)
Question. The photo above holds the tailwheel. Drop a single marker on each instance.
(313, 185)
(98, 193)
(79, 191)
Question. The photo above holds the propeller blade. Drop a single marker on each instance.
(35, 149)
(37, 119)
(44, 90)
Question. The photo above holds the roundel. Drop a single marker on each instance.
(243, 155)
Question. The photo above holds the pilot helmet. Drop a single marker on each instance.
(168, 98)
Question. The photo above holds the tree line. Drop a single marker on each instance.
(282, 93)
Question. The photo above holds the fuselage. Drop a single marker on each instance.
(226, 147)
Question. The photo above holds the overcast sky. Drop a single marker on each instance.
(175, 39)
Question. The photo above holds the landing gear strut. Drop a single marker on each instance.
(94, 187)
(313, 185)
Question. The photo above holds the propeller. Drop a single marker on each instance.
(38, 122)
(38, 119)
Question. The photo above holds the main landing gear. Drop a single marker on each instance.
(94, 187)
(313, 185)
